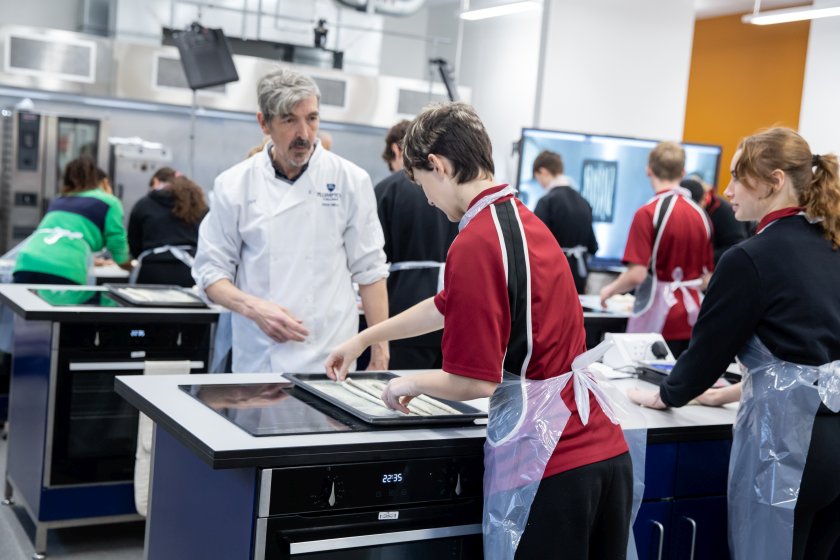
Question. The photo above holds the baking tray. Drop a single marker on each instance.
(368, 411)
(155, 295)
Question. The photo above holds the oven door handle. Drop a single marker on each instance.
(119, 366)
(305, 547)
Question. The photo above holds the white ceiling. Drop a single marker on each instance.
(703, 8)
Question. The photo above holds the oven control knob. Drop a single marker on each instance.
(331, 495)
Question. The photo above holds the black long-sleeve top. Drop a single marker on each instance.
(414, 231)
(152, 224)
(782, 285)
(569, 217)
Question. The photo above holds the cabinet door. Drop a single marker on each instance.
(698, 529)
(651, 530)
(660, 470)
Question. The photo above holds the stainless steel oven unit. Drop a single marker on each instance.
(93, 430)
(410, 509)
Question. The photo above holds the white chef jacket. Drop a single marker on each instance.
(299, 245)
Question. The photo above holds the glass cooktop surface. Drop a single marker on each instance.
(273, 409)
(86, 298)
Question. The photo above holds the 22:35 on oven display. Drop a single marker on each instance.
(391, 478)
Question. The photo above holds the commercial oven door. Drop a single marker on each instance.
(442, 531)
(93, 436)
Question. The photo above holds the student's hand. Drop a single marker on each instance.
(398, 393)
(278, 322)
(650, 399)
(338, 362)
(379, 357)
(721, 396)
(606, 293)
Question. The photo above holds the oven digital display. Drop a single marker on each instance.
(392, 478)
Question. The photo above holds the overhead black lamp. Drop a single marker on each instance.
(205, 56)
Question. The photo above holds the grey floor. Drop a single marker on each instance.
(103, 542)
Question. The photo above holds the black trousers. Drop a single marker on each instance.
(26, 277)
(581, 514)
(816, 526)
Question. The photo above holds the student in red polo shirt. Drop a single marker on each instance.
(512, 327)
(671, 236)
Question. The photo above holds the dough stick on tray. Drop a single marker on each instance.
(353, 389)
(422, 402)
(371, 389)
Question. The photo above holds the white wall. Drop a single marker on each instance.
(819, 119)
(617, 67)
(403, 54)
(499, 61)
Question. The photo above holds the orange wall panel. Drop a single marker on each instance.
(743, 78)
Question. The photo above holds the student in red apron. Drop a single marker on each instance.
(558, 476)
(774, 303)
(668, 254)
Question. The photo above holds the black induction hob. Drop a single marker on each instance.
(86, 298)
(273, 409)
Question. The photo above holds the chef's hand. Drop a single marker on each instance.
(379, 357)
(278, 322)
(650, 399)
(398, 393)
(340, 358)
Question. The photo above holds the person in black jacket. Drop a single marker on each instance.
(168, 216)
(727, 231)
(567, 214)
(774, 302)
(417, 238)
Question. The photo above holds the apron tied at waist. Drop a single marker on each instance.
(579, 252)
(420, 265)
(526, 419)
(180, 252)
(771, 440)
(683, 286)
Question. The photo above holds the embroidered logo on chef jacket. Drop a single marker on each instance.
(329, 196)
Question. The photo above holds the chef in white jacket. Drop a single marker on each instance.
(289, 231)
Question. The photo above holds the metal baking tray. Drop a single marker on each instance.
(155, 295)
(369, 411)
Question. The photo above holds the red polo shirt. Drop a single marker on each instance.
(477, 325)
(686, 243)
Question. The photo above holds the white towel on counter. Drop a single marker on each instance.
(142, 464)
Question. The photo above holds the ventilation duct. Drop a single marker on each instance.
(385, 7)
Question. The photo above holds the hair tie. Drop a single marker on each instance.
(815, 160)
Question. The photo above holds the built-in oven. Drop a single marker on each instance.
(93, 430)
(412, 509)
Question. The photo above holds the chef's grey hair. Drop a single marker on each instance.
(280, 90)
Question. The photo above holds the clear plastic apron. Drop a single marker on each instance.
(526, 420)
(654, 299)
(772, 434)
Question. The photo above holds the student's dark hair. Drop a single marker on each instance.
(395, 136)
(550, 161)
(190, 204)
(814, 178)
(100, 175)
(454, 131)
(164, 175)
(667, 161)
(80, 175)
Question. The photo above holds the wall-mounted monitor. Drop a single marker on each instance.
(610, 173)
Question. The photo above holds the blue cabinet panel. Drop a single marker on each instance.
(703, 521)
(702, 468)
(651, 530)
(660, 467)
